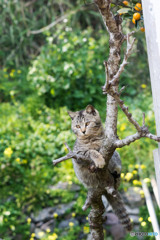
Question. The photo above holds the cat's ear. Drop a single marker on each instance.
(91, 110)
(72, 114)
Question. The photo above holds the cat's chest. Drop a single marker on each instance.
(91, 144)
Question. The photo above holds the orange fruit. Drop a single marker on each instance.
(138, 7)
(125, 3)
(136, 16)
(142, 29)
(133, 20)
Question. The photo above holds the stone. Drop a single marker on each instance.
(61, 209)
(117, 231)
(65, 223)
(132, 211)
(66, 186)
(133, 197)
(43, 215)
(50, 224)
(111, 219)
(46, 214)
(134, 218)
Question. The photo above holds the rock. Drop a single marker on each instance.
(66, 186)
(65, 223)
(117, 231)
(134, 218)
(46, 214)
(61, 209)
(111, 219)
(133, 197)
(50, 224)
(132, 211)
(43, 215)
(32, 227)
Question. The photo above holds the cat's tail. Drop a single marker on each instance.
(118, 207)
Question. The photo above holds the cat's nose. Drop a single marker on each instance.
(83, 131)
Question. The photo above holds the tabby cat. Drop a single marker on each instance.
(87, 126)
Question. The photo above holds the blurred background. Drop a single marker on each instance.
(51, 58)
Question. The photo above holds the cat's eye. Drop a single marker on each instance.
(77, 126)
(87, 123)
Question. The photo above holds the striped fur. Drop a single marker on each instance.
(120, 210)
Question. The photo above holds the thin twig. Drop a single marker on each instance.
(51, 25)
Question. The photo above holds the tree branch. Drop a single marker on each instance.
(51, 25)
(79, 158)
(128, 140)
(124, 109)
(124, 63)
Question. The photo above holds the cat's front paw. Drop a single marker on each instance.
(100, 163)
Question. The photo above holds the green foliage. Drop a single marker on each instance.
(27, 147)
(21, 18)
(72, 69)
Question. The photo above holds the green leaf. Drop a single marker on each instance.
(123, 10)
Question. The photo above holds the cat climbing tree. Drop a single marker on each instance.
(113, 68)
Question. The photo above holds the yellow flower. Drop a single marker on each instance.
(143, 166)
(122, 175)
(29, 220)
(71, 224)
(33, 235)
(8, 152)
(149, 219)
(123, 127)
(68, 177)
(130, 166)
(136, 182)
(18, 160)
(134, 172)
(143, 224)
(55, 215)
(147, 180)
(12, 227)
(19, 71)
(73, 214)
(87, 218)
(128, 176)
(86, 229)
(48, 230)
(24, 161)
(4, 69)
(41, 234)
(137, 166)
(13, 70)
(140, 219)
(141, 193)
(53, 236)
(70, 182)
(11, 74)
(31, 238)
(143, 85)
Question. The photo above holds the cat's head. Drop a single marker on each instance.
(86, 122)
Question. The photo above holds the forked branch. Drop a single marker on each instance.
(79, 158)
(142, 131)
